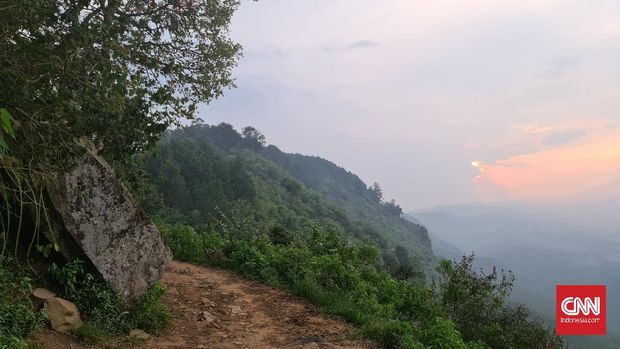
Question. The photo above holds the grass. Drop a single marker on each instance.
(18, 319)
(105, 313)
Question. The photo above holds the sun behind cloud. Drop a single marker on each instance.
(480, 167)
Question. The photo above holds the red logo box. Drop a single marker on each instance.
(580, 310)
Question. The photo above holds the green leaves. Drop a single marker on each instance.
(102, 71)
(46, 250)
(6, 128)
(18, 317)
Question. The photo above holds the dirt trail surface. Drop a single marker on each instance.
(216, 309)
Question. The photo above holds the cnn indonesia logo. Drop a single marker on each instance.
(580, 310)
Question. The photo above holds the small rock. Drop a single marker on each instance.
(235, 310)
(63, 315)
(206, 316)
(139, 335)
(43, 294)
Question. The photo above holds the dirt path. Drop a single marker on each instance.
(216, 309)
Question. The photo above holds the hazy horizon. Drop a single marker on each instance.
(527, 90)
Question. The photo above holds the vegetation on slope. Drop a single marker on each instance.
(104, 313)
(362, 203)
(98, 74)
(101, 76)
(18, 317)
(464, 309)
(221, 201)
(204, 174)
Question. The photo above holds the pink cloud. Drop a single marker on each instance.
(561, 171)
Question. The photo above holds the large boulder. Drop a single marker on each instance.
(101, 220)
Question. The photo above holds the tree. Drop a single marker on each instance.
(112, 73)
(402, 255)
(401, 267)
(278, 235)
(376, 191)
(254, 138)
(392, 209)
(476, 303)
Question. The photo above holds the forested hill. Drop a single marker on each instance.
(347, 190)
(206, 174)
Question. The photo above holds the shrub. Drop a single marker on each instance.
(105, 313)
(441, 333)
(184, 242)
(150, 314)
(278, 235)
(342, 279)
(476, 303)
(17, 315)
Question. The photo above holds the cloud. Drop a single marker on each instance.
(362, 44)
(534, 129)
(357, 45)
(559, 171)
(563, 137)
(560, 67)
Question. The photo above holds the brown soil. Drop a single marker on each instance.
(217, 309)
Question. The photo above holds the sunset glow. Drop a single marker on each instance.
(557, 172)
(481, 175)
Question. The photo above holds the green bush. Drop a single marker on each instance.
(441, 333)
(476, 303)
(17, 315)
(105, 313)
(185, 242)
(342, 279)
(150, 314)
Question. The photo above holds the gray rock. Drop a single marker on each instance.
(109, 227)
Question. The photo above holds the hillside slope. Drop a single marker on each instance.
(348, 191)
(207, 174)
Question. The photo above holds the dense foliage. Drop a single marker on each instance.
(463, 310)
(204, 175)
(110, 77)
(105, 313)
(102, 76)
(18, 317)
(225, 198)
(116, 73)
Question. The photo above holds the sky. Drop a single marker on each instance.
(440, 102)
